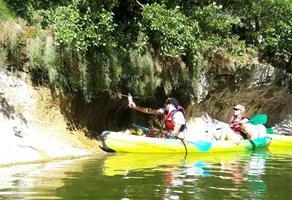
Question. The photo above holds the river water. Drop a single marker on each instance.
(257, 175)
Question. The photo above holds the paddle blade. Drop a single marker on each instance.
(259, 119)
(202, 146)
(270, 131)
(141, 127)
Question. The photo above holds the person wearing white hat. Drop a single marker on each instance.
(237, 120)
(235, 131)
(239, 107)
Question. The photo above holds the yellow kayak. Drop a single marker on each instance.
(280, 151)
(122, 142)
(280, 141)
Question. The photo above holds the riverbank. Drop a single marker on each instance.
(32, 126)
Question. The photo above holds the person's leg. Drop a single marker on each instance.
(231, 135)
(248, 130)
(226, 131)
(235, 137)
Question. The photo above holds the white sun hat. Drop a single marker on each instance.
(239, 107)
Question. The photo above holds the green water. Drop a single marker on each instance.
(259, 175)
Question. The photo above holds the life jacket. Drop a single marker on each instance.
(235, 125)
(168, 118)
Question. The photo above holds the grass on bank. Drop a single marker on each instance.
(5, 12)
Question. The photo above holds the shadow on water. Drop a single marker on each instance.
(258, 175)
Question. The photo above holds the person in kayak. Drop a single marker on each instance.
(173, 116)
(236, 131)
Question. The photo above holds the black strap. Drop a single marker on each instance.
(252, 144)
(186, 149)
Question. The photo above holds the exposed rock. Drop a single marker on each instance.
(260, 88)
(32, 126)
(284, 127)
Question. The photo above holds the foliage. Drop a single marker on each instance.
(276, 32)
(213, 20)
(3, 57)
(82, 30)
(26, 9)
(138, 75)
(174, 32)
(5, 12)
(10, 39)
(266, 24)
(94, 46)
(44, 60)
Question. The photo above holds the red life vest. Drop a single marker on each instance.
(234, 123)
(168, 118)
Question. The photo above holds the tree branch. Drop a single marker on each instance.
(140, 4)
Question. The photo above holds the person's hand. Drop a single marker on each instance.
(161, 111)
(130, 101)
(132, 105)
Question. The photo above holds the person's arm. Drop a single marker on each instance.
(244, 120)
(176, 129)
(132, 105)
(236, 121)
(146, 110)
(179, 121)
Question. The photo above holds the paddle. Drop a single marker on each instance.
(141, 127)
(270, 131)
(202, 145)
(259, 119)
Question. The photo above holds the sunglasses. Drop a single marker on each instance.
(235, 109)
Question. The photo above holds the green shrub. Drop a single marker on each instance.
(5, 12)
(3, 57)
(173, 31)
(139, 73)
(10, 39)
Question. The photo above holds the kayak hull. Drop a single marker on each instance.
(280, 141)
(121, 142)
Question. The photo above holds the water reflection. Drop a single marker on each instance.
(228, 174)
(258, 175)
(193, 164)
(35, 181)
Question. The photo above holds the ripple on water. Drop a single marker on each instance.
(259, 175)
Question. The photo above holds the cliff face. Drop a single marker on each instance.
(261, 88)
(32, 126)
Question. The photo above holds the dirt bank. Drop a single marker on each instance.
(32, 126)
